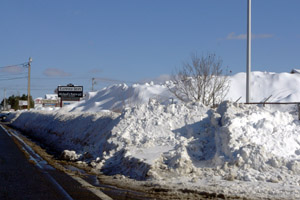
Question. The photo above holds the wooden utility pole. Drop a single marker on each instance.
(28, 91)
(93, 82)
(4, 100)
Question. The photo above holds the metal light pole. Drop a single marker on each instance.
(248, 53)
(28, 91)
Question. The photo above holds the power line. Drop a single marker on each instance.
(100, 79)
(13, 74)
(8, 79)
(22, 64)
(59, 78)
(37, 89)
(111, 80)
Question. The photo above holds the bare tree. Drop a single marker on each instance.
(201, 80)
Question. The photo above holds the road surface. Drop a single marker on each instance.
(22, 178)
(24, 174)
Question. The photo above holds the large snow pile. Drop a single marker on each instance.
(117, 97)
(234, 146)
(190, 143)
(139, 135)
(283, 87)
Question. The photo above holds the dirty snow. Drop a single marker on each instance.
(228, 149)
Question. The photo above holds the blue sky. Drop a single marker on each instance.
(72, 41)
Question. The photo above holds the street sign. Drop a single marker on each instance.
(22, 103)
(70, 88)
(50, 101)
(70, 91)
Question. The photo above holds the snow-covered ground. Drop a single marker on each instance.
(284, 87)
(227, 150)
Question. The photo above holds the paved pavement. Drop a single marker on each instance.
(20, 178)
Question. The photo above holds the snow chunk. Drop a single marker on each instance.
(69, 155)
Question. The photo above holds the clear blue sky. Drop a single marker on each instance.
(71, 41)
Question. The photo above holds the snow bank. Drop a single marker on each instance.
(262, 144)
(134, 140)
(117, 97)
(247, 143)
(284, 87)
(238, 145)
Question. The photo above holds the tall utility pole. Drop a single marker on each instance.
(4, 102)
(248, 53)
(93, 83)
(28, 91)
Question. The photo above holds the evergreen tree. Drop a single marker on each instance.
(13, 101)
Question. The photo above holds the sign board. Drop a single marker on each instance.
(70, 91)
(50, 105)
(68, 102)
(49, 101)
(22, 103)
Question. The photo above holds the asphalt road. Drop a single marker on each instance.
(25, 175)
(21, 178)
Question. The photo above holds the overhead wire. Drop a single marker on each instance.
(25, 64)
(14, 78)
(12, 73)
(55, 78)
(37, 89)
(111, 80)
(22, 74)
(7, 73)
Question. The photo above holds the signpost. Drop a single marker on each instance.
(69, 93)
(23, 104)
(50, 102)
